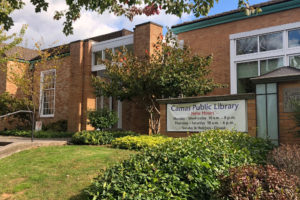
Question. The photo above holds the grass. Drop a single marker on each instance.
(54, 172)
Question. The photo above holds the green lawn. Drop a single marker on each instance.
(57, 172)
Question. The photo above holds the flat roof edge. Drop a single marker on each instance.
(236, 16)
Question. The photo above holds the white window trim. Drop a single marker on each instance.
(41, 106)
(285, 52)
(108, 44)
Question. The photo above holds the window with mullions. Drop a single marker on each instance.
(248, 70)
(47, 105)
(99, 56)
(262, 43)
(267, 115)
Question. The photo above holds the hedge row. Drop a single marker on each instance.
(186, 168)
(99, 137)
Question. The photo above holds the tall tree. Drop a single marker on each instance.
(128, 8)
(170, 71)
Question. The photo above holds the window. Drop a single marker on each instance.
(246, 45)
(258, 52)
(245, 71)
(99, 52)
(47, 88)
(294, 38)
(270, 65)
(270, 42)
(295, 61)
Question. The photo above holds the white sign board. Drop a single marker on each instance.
(201, 116)
(38, 125)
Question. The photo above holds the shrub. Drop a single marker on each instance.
(37, 134)
(139, 142)
(98, 137)
(185, 168)
(60, 126)
(9, 104)
(258, 182)
(102, 119)
(286, 157)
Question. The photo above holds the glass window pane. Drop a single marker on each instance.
(270, 42)
(295, 61)
(130, 48)
(272, 118)
(294, 38)
(98, 58)
(261, 116)
(246, 45)
(260, 89)
(270, 65)
(271, 88)
(245, 71)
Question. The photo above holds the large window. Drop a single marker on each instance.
(47, 101)
(99, 52)
(261, 51)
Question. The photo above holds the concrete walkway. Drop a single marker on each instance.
(18, 144)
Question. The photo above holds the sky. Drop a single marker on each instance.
(44, 29)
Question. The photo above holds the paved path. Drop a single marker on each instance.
(18, 144)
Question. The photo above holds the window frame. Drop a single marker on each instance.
(285, 52)
(109, 44)
(41, 106)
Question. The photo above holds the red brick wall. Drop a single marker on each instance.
(215, 40)
(287, 127)
(251, 106)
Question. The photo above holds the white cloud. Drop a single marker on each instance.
(42, 26)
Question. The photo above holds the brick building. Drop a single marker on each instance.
(69, 94)
(244, 48)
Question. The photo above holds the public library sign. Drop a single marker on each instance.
(201, 116)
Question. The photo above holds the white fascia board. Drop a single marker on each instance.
(120, 41)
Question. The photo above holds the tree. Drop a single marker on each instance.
(128, 8)
(169, 72)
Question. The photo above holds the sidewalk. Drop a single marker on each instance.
(18, 144)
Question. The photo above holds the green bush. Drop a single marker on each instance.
(98, 137)
(185, 168)
(139, 142)
(37, 134)
(59, 126)
(102, 119)
(258, 182)
(9, 104)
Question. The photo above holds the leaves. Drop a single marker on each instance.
(128, 8)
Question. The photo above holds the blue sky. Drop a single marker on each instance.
(42, 27)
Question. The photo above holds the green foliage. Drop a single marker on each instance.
(37, 134)
(9, 104)
(139, 142)
(99, 137)
(185, 168)
(60, 126)
(102, 119)
(169, 72)
(123, 7)
(259, 182)
(296, 113)
(286, 157)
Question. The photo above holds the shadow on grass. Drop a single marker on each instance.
(81, 196)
